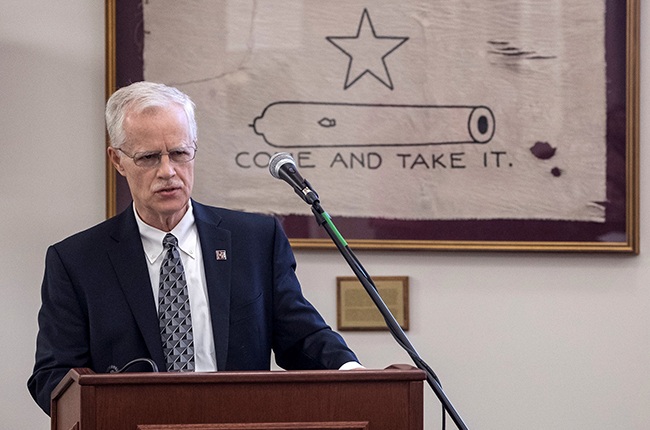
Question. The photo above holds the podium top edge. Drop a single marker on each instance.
(88, 377)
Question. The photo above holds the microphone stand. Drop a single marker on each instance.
(325, 221)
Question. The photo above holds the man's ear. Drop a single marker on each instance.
(116, 160)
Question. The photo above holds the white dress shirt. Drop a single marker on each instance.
(190, 250)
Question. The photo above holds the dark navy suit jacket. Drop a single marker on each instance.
(98, 307)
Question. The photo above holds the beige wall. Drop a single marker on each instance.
(519, 341)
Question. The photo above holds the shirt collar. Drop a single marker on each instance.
(185, 232)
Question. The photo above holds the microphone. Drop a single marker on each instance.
(282, 166)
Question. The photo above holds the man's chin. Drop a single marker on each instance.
(168, 207)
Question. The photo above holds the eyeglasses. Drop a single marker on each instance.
(149, 159)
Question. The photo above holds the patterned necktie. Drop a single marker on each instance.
(174, 310)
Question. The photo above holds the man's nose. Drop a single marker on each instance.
(166, 167)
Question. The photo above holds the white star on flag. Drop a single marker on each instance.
(367, 52)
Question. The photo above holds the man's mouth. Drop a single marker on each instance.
(167, 189)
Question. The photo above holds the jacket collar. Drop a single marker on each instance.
(217, 260)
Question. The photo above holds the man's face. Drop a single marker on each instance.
(160, 193)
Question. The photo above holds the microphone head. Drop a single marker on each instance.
(278, 160)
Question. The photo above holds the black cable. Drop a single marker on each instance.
(114, 369)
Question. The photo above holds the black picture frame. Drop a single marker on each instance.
(619, 233)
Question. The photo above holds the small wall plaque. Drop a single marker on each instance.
(355, 309)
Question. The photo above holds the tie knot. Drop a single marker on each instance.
(170, 240)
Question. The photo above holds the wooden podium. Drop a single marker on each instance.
(390, 399)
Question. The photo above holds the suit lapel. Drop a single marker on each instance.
(127, 257)
(216, 249)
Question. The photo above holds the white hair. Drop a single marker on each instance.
(138, 97)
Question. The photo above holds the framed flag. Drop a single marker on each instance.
(440, 126)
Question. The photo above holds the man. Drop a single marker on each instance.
(109, 292)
